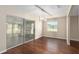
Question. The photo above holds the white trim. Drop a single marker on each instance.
(17, 45)
(75, 39)
(68, 30)
(20, 44)
(38, 37)
(3, 51)
(54, 37)
(68, 26)
(69, 9)
(14, 46)
(28, 41)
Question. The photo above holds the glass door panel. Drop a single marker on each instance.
(9, 35)
(28, 30)
(18, 33)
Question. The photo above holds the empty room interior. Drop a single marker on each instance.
(39, 29)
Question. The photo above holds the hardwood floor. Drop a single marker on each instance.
(46, 45)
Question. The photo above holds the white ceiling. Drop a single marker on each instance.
(74, 10)
(54, 10)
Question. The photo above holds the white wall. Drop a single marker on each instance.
(2, 32)
(38, 28)
(74, 29)
(74, 23)
(61, 33)
(8, 10)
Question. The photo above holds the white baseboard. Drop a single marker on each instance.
(20, 44)
(55, 37)
(3, 51)
(38, 37)
(28, 41)
(75, 39)
(16, 46)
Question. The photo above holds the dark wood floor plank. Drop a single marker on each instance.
(46, 45)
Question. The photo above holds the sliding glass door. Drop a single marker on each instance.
(19, 30)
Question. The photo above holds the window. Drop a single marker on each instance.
(52, 25)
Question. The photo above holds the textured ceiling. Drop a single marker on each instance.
(56, 10)
(53, 10)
